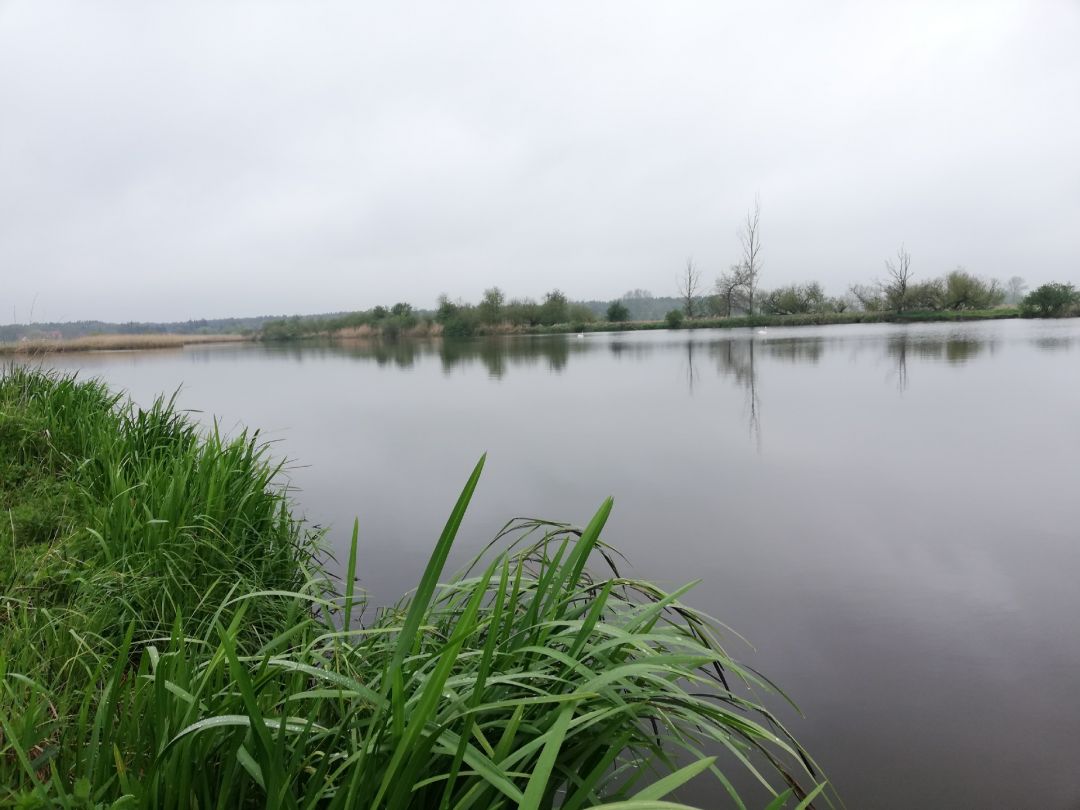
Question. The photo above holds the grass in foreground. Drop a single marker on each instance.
(167, 640)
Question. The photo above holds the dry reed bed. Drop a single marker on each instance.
(92, 343)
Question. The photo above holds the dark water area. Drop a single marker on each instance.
(888, 513)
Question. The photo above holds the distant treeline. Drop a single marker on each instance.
(76, 329)
(955, 294)
(957, 291)
(494, 313)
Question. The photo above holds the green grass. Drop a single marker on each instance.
(169, 640)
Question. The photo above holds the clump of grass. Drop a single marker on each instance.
(173, 644)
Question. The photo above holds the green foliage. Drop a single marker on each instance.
(171, 643)
(522, 312)
(145, 491)
(490, 308)
(962, 290)
(288, 328)
(389, 323)
(674, 319)
(617, 312)
(897, 299)
(926, 296)
(957, 291)
(795, 299)
(555, 308)
(1051, 300)
(460, 326)
(458, 320)
(579, 315)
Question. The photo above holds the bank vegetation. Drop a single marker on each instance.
(734, 301)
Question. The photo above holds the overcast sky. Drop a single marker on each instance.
(164, 161)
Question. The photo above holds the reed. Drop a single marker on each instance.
(99, 343)
(169, 639)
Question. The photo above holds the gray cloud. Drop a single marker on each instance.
(167, 161)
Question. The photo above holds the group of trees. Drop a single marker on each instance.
(389, 321)
(956, 290)
(461, 319)
(736, 292)
(455, 318)
(896, 292)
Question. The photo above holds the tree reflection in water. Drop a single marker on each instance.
(735, 355)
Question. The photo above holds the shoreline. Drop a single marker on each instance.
(810, 319)
(425, 332)
(160, 341)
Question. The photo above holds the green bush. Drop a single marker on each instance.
(966, 291)
(458, 320)
(555, 309)
(674, 319)
(795, 299)
(522, 312)
(617, 312)
(1050, 301)
(926, 296)
(490, 308)
(579, 315)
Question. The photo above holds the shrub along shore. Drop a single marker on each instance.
(171, 638)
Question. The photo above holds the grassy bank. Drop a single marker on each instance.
(99, 343)
(169, 639)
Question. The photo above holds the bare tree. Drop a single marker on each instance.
(896, 286)
(1015, 288)
(689, 283)
(868, 296)
(729, 289)
(750, 237)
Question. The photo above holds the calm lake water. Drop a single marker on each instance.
(888, 513)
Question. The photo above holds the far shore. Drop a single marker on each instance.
(139, 342)
(430, 329)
